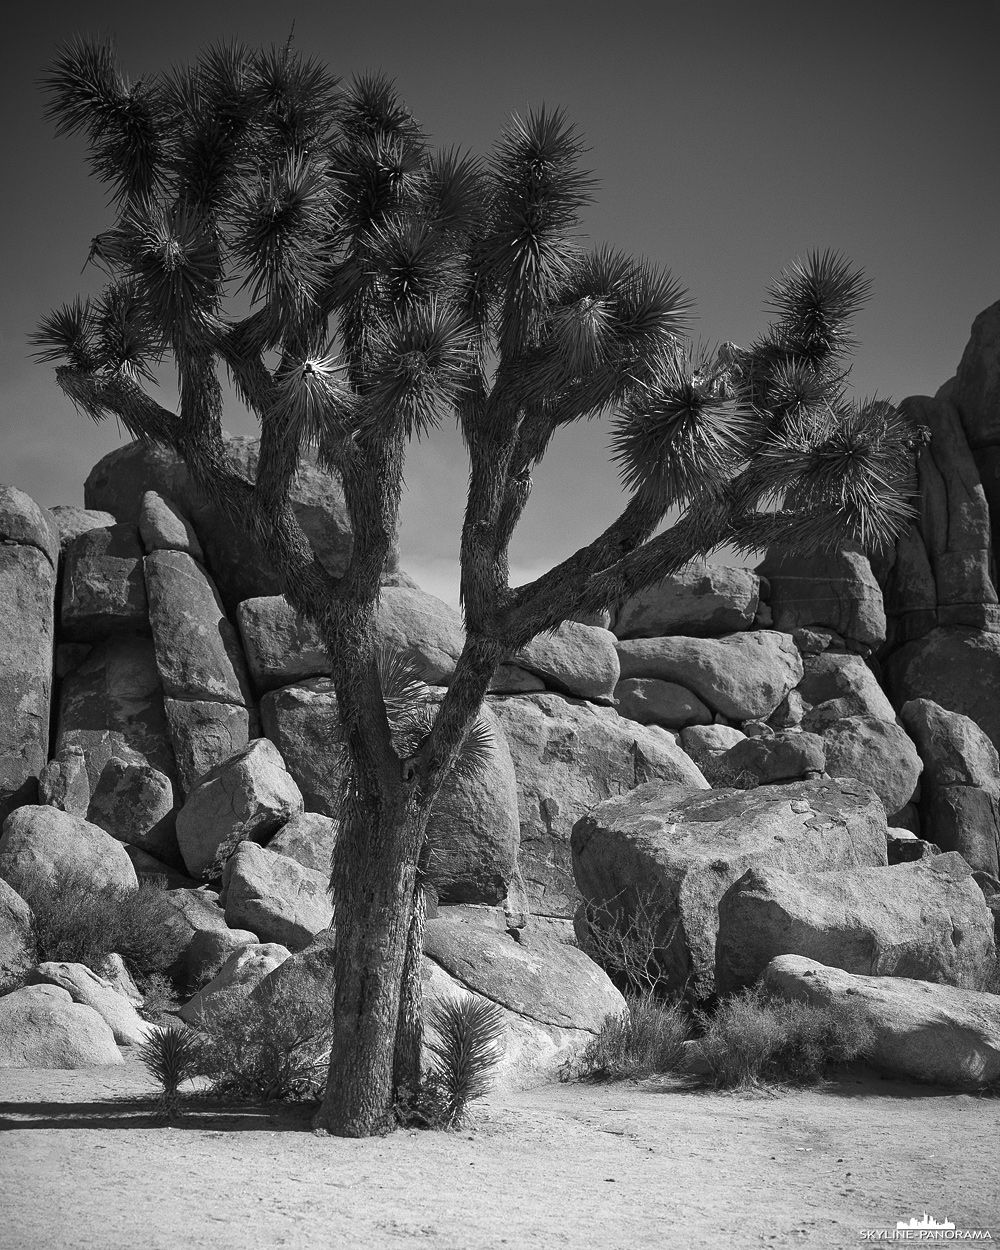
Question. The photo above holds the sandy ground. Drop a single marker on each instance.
(621, 1166)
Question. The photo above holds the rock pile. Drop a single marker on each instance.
(720, 747)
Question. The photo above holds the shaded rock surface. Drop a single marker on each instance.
(874, 752)
(772, 758)
(960, 791)
(836, 590)
(569, 755)
(103, 589)
(575, 659)
(308, 838)
(927, 1032)
(677, 851)
(163, 527)
(835, 676)
(17, 944)
(927, 920)
(653, 702)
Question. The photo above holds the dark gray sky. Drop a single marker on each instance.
(729, 136)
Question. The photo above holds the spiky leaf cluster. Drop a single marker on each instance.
(466, 1045)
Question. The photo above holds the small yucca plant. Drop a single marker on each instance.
(467, 1045)
(171, 1056)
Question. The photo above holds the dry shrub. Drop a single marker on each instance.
(77, 921)
(267, 1044)
(627, 938)
(647, 1039)
(755, 1040)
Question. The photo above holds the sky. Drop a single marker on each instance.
(727, 136)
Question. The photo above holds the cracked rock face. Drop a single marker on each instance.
(674, 852)
(569, 755)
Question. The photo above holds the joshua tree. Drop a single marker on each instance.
(388, 286)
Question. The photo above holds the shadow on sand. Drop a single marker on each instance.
(141, 1113)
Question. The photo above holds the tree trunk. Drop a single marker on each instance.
(374, 890)
(407, 1072)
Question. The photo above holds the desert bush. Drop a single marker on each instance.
(465, 1045)
(171, 1056)
(627, 939)
(80, 922)
(266, 1044)
(646, 1040)
(755, 1040)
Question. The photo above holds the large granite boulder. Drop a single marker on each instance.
(554, 999)
(473, 831)
(237, 977)
(743, 677)
(975, 392)
(41, 843)
(926, 919)
(42, 1027)
(569, 755)
(72, 521)
(675, 852)
(17, 942)
(240, 568)
(409, 619)
(653, 702)
(190, 912)
(836, 676)
(835, 590)
(706, 743)
(250, 795)
(960, 791)
(771, 758)
(103, 590)
(957, 668)
(575, 659)
(29, 553)
(275, 897)
(875, 752)
(923, 1031)
(164, 527)
(700, 600)
(86, 987)
(309, 839)
(210, 949)
(200, 662)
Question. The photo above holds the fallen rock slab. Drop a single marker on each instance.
(933, 1033)
(926, 920)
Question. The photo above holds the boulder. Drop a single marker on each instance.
(305, 977)
(653, 702)
(237, 977)
(210, 949)
(28, 555)
(554, 999)
(705, 743)
(429, 629)
(976, 388)
(17, 941)
(771, 758)
(65, 783)
(927, 920)
(309, 839)
(675, 851)
(71, 522)
(41, 1027)
(512, 679)
(192, 912)
(875, 752)
(134, 802)
(275, 897)
(575, 659)
(250, 795)
(148, 867)
(698, 601)
(204, 733)
(163, 527)
(846, 679)
(86, 987)
(744, 676)
(789, 712)
(473, 831)
(923, 1031)
(197, 650)
(960, 792)
(836, 590)
(240, 568)
(957, 668)
(569, 755)
(41, 843)
(103, 590)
